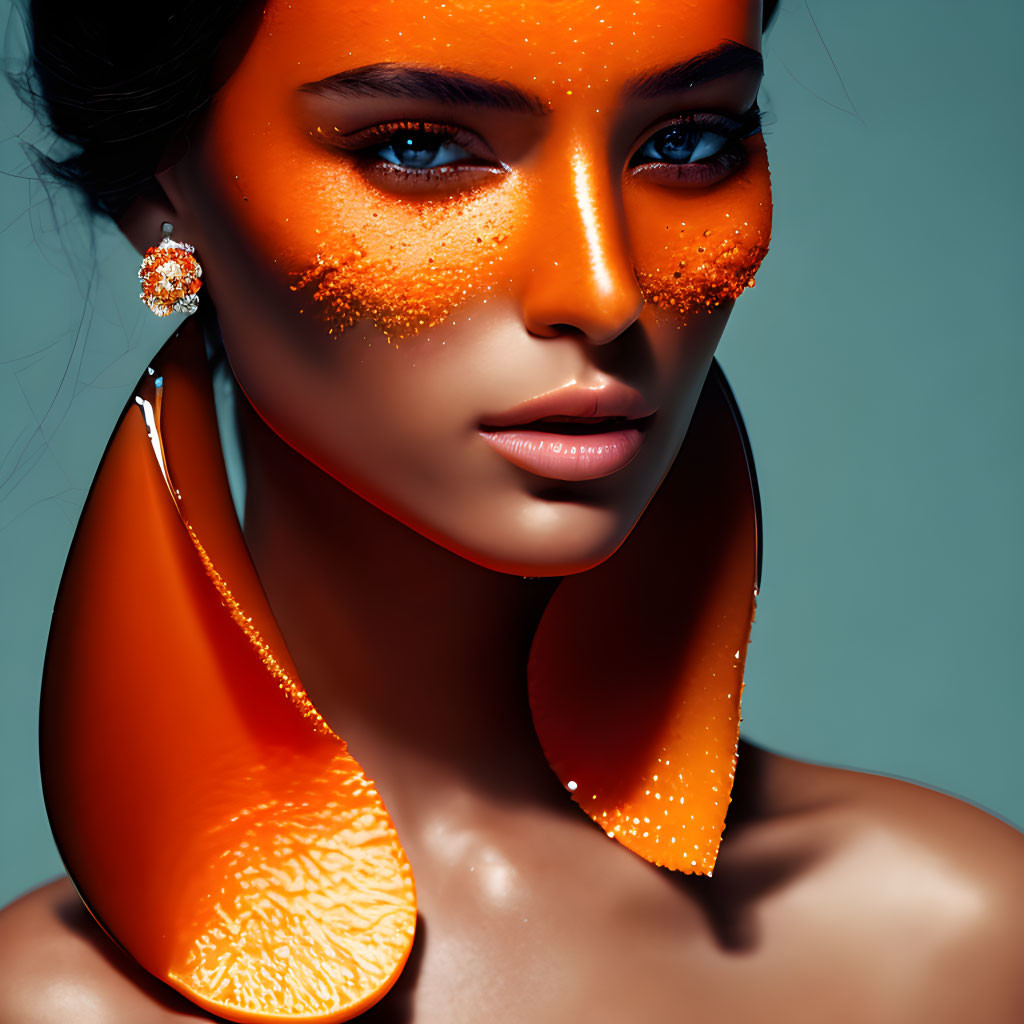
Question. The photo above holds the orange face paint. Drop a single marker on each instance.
(387, 272)
(354, 246)
(713, 258)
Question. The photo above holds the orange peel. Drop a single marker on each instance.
(213, 823)
(636, 670)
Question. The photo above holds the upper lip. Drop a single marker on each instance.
(577, 404)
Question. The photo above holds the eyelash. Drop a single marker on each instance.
(365, 147)
(728, 158)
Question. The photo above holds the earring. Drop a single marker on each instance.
(170, 276)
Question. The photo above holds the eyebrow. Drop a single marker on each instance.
(727, 59)
(456, 87)
(411, 82)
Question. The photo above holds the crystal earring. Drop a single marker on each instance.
(170, 276)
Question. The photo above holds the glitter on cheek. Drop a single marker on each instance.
(707, 272)
(350, 285)
(404, 274)
(713, 250)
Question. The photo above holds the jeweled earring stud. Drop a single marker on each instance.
(170, 276)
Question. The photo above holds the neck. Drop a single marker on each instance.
(415, 656)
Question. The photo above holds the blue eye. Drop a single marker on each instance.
(416, 156)
(419, 150)
(681, 144)
(696, 150)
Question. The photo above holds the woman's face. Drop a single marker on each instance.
(473, 260)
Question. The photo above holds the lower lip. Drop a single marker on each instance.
(567, 456)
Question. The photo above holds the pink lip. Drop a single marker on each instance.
(569, 456)
(575, 402)
(572, 433)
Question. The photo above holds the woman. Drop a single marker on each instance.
(428, 273)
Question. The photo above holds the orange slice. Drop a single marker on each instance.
(214, 825)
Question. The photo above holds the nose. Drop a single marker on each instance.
(581, 279)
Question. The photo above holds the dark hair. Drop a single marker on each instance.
(121, 85)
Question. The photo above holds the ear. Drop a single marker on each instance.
(141, 222)
(160, 203)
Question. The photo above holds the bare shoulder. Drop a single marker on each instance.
(56, 966)
(891, 821)
(934, 884)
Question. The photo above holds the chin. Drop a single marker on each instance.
(551, 538)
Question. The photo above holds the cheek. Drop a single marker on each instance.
(347, 252)
(709, 250)
(401, 266)
(339, 249)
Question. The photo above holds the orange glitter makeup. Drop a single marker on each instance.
(709, 271)
(711, 254)
(359, 238)
(352, 284)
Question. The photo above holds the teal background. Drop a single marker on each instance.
(878, 363)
